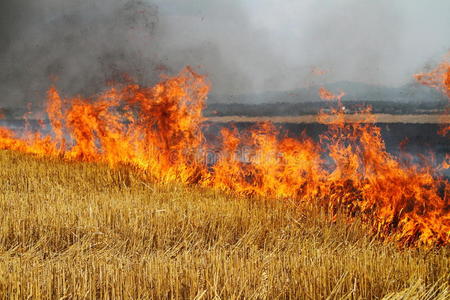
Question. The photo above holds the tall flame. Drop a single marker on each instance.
(158, 130)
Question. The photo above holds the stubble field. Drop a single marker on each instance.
(84, 231)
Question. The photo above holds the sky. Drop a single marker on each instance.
(277, 43)
(246, 46)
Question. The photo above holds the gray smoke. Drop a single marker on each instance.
(78, 45)
(247, 46)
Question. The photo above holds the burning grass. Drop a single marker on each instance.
(120, 202)
(84, 230)
(158, 131)
(350, 118)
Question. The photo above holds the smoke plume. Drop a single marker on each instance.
(249, 46)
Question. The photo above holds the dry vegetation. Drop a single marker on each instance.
(350, 118)
(73, 230)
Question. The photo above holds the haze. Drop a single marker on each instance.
(248, 46)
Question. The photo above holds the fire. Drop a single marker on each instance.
(158, 130)
(403, 202)
(439, 78)
(285, 168)
(327, 95)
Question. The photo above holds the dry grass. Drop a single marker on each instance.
(76, 231)
(350, 118)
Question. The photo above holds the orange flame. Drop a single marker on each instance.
(158, 130)
(439, 78)
(327, 95)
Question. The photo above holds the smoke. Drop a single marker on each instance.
(248, 46)
(377, 42)
(78, 45)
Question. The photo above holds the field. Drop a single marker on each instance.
(84, 231)
(312, 119)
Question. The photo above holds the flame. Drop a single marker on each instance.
(158, 130)
(439, 78)
(327, 95)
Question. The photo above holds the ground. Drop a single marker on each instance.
(75, 230)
